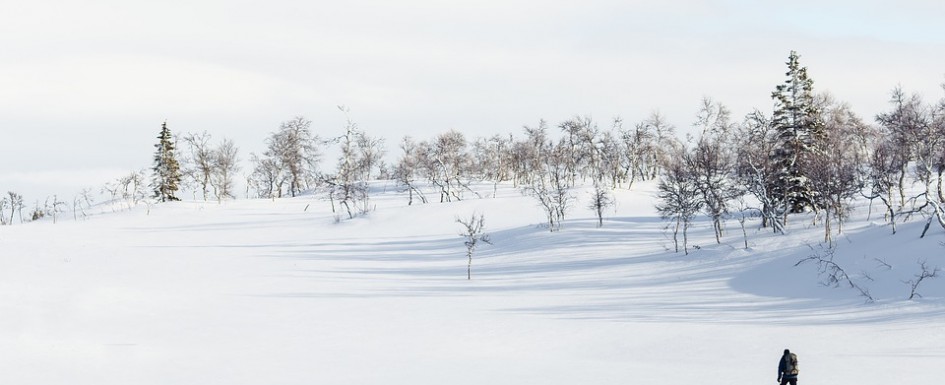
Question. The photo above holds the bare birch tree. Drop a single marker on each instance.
(679, 199)
(225, 166)
(601, 199)
(15, 204)
(473, 232)
(406, 169)
(198, 164)
(756, 169)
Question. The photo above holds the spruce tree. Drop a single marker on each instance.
(798, 130)
(167, 174)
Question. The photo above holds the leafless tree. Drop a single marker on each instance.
(714, 120)
(450, 154)
(473, 232)
(384, 171)
(885, 163)
(601, 199)
(937, 158)
(126, 191)
(405, 171)
(113, 189)
(528, 154)
(225, 166)
(87, 197)
(570, 143)
(712, 166)
(82, 202)
(756, 170)
(550, 186)
(930, 165)
(581, 142)
(55, 207)
(16, 204)
(76, 208)
(444, 162)
(268, 178)
(744, 212)
(631, 141)
(3, 205)
(678, 195)
(199, 163)
(712, 162)
(211, 169)
(916, 134)
(132, 188)
(646, 157)
(370, 152)
(650, 140)
(903, 125)
(347, 185)
(834, 167)
(492, 160)
(294, 150)
(610, 159)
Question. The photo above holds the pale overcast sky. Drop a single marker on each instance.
(85, 85)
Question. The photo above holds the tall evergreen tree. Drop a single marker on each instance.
(167, 174)
(798, 130)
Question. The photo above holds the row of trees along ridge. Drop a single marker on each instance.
(810, 154)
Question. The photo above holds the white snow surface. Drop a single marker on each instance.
(279, 292)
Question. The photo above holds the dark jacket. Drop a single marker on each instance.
(782, 368)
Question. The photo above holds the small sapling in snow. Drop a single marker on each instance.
(925, 272)
(473, 233)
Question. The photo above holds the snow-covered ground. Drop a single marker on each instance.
(278, 292)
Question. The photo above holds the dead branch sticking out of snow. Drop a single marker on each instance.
(925, 272)
(832, 274)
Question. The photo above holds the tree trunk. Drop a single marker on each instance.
(902, 182)
(941, 194)
(675, 235)
(744, 232)
(717, 226)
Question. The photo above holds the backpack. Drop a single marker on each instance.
(790, 365)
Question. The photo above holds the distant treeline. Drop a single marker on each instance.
(811, 153)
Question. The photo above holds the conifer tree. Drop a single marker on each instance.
(798, 130)
(167, 174)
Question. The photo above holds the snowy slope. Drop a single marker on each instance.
(278, 292)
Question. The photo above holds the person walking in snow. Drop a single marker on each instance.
(787, 368)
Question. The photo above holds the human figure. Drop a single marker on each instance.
(787, 368)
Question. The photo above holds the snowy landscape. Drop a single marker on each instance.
(279, 292)
(495, 192)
